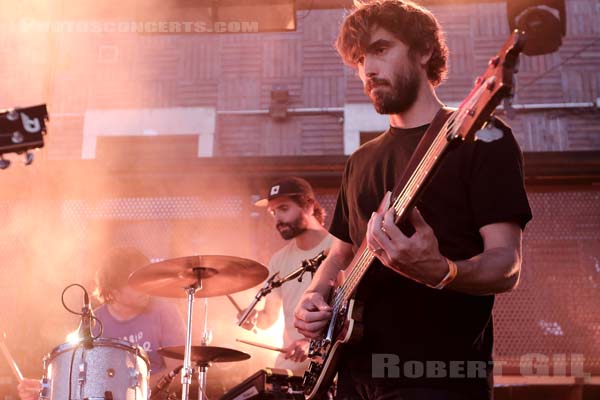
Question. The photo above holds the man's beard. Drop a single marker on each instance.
(401, 95)
(295, 228)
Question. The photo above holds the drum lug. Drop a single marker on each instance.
(82, 372)
(135, 378)
(45, 391)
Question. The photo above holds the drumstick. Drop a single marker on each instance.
(263, 346)
(235, 304)
(11, 361)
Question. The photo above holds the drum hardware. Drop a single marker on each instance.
(202, 277)
(110, 369)
(84, 337)
(309, 265)
(164, 383)
(202, 357)
(135, 378)
(82, 372)
(84, 333)
(92, 367)
(101, 369)
(211, 275)
(204, 354)
(268, 383)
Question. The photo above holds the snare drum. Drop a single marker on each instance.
(111, 369)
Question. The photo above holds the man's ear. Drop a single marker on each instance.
(309, 208)
(425, 56)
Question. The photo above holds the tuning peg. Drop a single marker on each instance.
(28, 158)
(12, 115)
(494, 61)
(17, 137)
(4, 163)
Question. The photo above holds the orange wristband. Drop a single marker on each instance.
(450, 276)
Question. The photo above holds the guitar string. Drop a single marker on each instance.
(367, 256)
(440, 140)
(411, 186)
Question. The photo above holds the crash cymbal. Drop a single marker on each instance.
(218, 275)
(204, 354)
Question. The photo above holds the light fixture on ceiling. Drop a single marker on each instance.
(544, 22)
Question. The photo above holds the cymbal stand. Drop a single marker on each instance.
(203, 367)
(187, 371)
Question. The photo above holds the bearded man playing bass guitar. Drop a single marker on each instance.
(425, 303)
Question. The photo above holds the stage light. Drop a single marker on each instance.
(544, 22)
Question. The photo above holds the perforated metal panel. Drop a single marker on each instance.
(555, 310)
(153, 208)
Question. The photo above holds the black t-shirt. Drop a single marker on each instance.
(476, 184)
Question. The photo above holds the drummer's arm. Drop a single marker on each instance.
(173, 331)
(270, 313)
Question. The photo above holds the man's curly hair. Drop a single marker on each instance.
(114, 271)
(318, 211)
(414, 25)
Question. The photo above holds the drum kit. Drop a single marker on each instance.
(117, 370)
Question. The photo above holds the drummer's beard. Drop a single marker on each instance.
(289, 230)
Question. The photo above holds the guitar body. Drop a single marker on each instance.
(345, 326)
(323, 368)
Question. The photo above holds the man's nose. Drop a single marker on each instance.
(370, 68)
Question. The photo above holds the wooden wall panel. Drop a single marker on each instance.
(280, 137)
(200, 59)
(323, 91)
(238, 136)
(583, 131)
(321, 59)
(239, 93)
(74, 72)
(282, 58)
(241, 58)
(322, 135)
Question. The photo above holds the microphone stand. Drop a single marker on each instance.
(309, 265)
(85, 327)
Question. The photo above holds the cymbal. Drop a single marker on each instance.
(218, 275)
(204, 354)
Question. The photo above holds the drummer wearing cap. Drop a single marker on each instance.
(299, 219)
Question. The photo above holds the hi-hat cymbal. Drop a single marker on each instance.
(218, 275)
(204, 354)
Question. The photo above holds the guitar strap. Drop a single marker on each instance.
(430, 134)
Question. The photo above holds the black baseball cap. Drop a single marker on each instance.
(291, 186)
